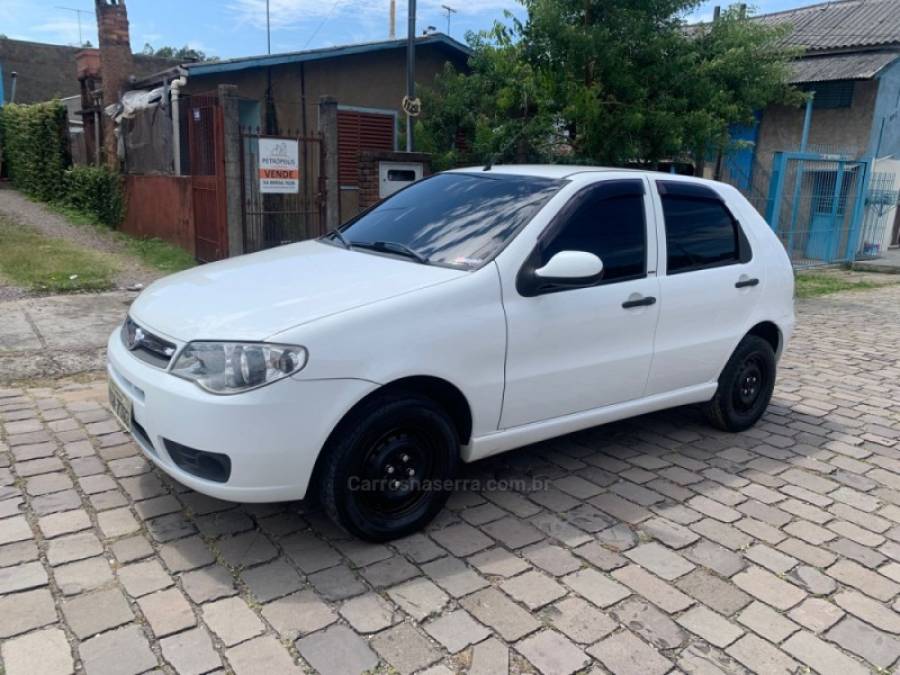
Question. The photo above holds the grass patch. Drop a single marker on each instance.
(814, 284)
(158, 253)
(73, 215)
(40, 263)
(153, 252)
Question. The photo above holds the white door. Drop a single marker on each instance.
(710, 282)
(572, 349)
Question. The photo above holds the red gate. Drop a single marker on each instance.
(206, 143)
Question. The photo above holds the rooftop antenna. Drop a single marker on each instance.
(78, 13)
(450, 12)
(392, 26)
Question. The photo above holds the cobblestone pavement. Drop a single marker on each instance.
(656, 545)
(57, 335)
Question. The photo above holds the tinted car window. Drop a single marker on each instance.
(699, 233)
(608, 222)
(459, 219)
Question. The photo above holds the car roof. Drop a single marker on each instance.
(537, 170)
(563, 171)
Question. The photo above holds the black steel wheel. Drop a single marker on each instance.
(745, 386)
(387, 467)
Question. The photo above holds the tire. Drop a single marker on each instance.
(361, 484)
(745, 386)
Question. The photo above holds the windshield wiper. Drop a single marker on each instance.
(337, 234)
(393, 247)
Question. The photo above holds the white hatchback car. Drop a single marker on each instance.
(473, 312)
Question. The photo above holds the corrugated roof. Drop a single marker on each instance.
(245, 62)
(48, 71)
(831, 67)
(840, 25)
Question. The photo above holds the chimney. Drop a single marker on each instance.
(116, 64)
(87, 63)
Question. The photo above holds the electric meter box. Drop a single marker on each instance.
(393, 176)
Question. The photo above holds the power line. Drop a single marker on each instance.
(322, 23)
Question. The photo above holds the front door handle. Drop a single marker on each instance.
(639, 302)
(744, 283)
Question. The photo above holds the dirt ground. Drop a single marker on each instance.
(18, 208)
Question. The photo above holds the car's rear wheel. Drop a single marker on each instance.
(745, 386)
(386, 469)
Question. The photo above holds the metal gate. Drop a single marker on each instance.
(274, 219)
(206, 148)
(881, 204)
(816, 205)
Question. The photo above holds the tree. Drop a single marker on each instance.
(605, 81)
(180, 54)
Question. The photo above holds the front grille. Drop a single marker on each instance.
(212, 466)
(146, 346)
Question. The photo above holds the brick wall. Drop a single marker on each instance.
(368, 171)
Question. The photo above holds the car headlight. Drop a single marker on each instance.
(233, 367)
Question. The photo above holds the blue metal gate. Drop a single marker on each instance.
(816, 206)
(881, 202)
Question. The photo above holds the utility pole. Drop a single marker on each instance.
(450, 12)
(410, 70)
(78, 13)
(392, 28)
(268, 31)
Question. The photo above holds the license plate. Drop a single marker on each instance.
(121, 405)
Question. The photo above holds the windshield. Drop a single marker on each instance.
(458, 219)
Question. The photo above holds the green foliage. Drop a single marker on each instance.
(96, 191)
(35, 147)
(604, 81)
(179, 53)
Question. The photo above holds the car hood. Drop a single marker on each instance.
(252, 297)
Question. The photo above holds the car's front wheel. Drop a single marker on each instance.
(745, 386)
(387, 468)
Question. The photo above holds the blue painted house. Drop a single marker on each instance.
(851, 65)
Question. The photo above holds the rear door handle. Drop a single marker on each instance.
(744, 283)
(640, 302)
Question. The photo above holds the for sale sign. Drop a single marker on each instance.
(279, 166)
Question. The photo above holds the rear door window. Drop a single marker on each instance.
(700, 230)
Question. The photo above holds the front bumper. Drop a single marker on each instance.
(272, 435)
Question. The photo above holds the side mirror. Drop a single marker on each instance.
(571, 268)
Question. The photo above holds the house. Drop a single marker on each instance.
(280, 93)
(850, 63)
(196, 141)
(45, 71)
